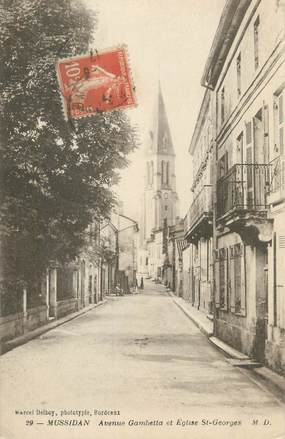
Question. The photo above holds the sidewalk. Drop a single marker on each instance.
(198, 318)
(22, 339)
(262, 375)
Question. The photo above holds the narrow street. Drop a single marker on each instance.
(141, 356)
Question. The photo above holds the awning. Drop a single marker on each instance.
(181, 245)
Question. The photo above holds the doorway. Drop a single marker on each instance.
(261, 261)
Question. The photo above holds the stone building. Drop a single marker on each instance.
(245, 74)
(176, 244)
(198, 223)
(160, 201)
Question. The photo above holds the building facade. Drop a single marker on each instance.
(245, 75)
(198, 223)
(160, 202)
(176, 244)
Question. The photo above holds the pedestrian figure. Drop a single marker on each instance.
(141, 286)
(136, 285)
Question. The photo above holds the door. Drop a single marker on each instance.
(193, 286)
(261, 261)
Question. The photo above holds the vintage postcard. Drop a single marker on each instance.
(142, 219)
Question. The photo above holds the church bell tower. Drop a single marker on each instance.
(160, 200)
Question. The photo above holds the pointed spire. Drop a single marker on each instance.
(164, 140)
(160, 141)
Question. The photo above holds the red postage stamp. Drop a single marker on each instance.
(95, 82)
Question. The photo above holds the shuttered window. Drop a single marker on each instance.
(248, 133)
(237, 282)
(281, 122)
(223, 105)
(256, 42)
(216, 278)
(223, 277)
(239, 75)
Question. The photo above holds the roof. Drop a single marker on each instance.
(229, 24)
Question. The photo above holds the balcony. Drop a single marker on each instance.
(242, 200)
(198, 221)
(277, 181)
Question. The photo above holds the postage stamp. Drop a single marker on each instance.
(96, 82)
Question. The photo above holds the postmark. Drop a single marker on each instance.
(95, 82)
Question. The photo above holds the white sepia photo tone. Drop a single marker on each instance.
(142, 219)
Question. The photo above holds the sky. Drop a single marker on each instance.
(168, 41)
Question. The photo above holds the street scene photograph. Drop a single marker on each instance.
(142, 219)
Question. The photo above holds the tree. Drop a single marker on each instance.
(56, 176)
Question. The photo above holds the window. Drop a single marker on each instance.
(221, 278)
(248, 160)
(162, 172)
(165, 142)
(165, 207)
(151, 172)
(256, 42)
(239, 75)
(239, 150)
(223, 165)
(248, 132)
(223, 105)
(167, 173)
(279, 122)
(237, 279)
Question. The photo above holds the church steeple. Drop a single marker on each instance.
(160, 136)
(160, 197)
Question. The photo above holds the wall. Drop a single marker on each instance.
(236, 330)
(14, 325)
(254, 96)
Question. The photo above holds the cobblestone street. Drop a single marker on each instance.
(138, 355)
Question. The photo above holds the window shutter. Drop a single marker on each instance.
(266, 132)
(280, 107)
(282, 170)
(217, 278)
(219, 168)
(226, 277)
(223, 277)
(243, 281)
(232, 279)
(265, 119)
(248, 133)
(281, 140)
(226, 162)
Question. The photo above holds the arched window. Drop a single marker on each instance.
(151, 173)
(147, 172)
(165, 142)
(162, 172)
(167, 173)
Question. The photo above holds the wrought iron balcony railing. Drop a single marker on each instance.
(200, 207)
(243, 188)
